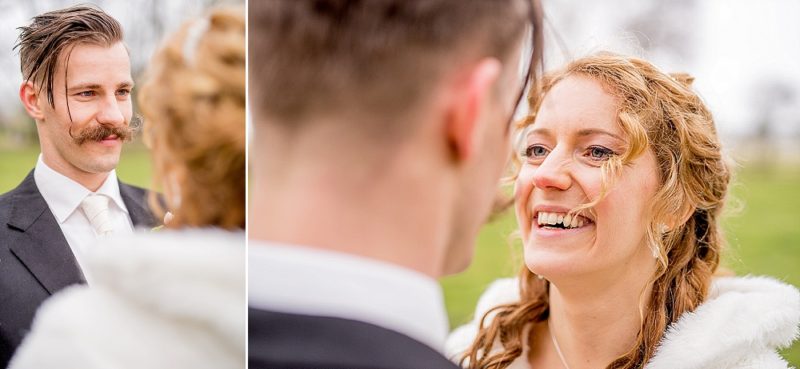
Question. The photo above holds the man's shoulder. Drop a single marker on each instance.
(301, 341)
(133, 188)
(138, 194)
(7, 197)
(25, 185)
(26, 188)
(137, 200)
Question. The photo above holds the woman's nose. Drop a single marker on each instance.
(553, 172)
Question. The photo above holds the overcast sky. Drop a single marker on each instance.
(730, 46)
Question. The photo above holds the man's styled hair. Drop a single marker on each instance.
(42, 43)
(371, 59)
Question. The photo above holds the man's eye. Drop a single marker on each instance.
(123, 92)
(86, 93)
(599, 153)
(536, 151)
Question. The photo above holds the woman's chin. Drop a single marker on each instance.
(552, 264)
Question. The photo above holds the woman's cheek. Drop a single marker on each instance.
(590, 181)
(523, 187)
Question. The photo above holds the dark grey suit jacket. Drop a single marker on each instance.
(35, 258)
(289, 341)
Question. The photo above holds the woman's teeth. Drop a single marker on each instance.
(560, 219)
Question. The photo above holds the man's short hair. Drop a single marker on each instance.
(42, 43)
(371, 58)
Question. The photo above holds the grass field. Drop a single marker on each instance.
(764, 239)
(764, 236)
(134, 166)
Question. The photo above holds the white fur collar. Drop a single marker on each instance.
(194, 274)
(739, 326)
(742, 317)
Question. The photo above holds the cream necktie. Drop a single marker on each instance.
(96, 209)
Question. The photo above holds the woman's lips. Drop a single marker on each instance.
(548, 231)
(559, 219)
(553, 221)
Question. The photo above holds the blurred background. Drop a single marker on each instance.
(144, 22)
(744, 56)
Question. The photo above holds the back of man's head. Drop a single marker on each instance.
(42, 44)
(368, 63)
(381, 126)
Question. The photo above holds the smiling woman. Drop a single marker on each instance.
(618, 194)
(575, 137)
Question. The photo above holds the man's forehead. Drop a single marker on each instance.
(96, 55)
(94, 64)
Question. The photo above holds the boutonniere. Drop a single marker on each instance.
(167, 218)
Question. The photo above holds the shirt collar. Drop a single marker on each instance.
(63, 195)
(309, 281)
(110, 188)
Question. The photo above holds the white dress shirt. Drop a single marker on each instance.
(63, 196)
(301, 280)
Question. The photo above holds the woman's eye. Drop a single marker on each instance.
(535, 151)
(124, 92)
(599, 153)
(86, 93)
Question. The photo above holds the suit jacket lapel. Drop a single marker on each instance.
(39, 242)
(136, 201)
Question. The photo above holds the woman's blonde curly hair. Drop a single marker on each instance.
(193, 102)
(661, 113)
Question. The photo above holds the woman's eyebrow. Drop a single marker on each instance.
(597, 131)
(581, 133)
(538, 131)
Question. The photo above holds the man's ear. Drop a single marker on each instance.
(463, 129)
(29, 96)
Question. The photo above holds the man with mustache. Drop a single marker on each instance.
(77, 87)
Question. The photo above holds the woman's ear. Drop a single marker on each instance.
(678, 219)
(29, 96)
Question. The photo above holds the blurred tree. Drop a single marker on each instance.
(769, 96)
(656, 30)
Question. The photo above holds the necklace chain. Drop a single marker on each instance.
(558, 349)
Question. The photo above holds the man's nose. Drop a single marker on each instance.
(111, 112)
